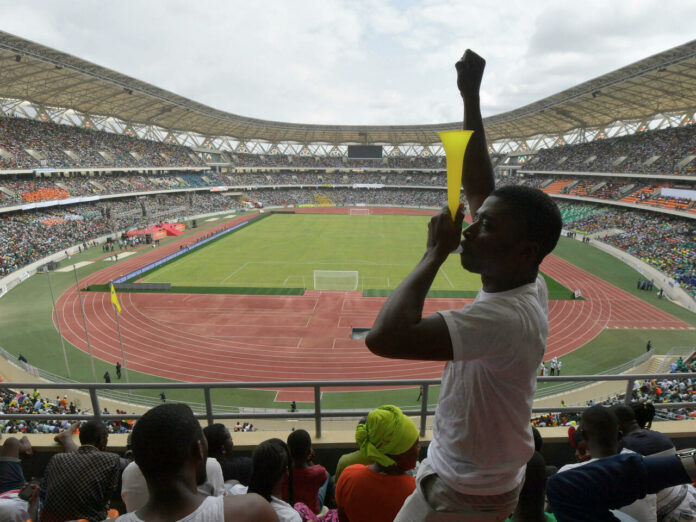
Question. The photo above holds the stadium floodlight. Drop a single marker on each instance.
(335, 279)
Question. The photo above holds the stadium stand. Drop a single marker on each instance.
(665, 151)
(664, 242)
(28, 144)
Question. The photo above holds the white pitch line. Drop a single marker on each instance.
(446, 277)
(240, 268)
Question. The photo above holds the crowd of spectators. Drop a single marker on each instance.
(26, 237)
(338, 162)
(650, 152)
(29, 144)
(175, 470)
(666, 242)
(31, 402)
(346, 196)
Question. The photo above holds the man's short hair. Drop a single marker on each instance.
(624, 413)
(539, 218)
(92, 432)
(163, 439)
(599, 424)
(216, 435)
(300, 443)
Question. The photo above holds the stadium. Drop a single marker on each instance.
(249, 258)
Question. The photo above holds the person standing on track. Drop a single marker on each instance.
(482, 438)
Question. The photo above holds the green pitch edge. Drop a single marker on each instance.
(251, 290)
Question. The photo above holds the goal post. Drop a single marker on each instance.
(335, 279)
(359, 211)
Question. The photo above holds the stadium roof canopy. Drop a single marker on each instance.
(658, 85)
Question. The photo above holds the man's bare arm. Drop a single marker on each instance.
(400, 330)
(477, 175)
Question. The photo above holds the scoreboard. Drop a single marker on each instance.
(364, 151)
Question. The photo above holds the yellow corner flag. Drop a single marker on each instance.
(114, 299)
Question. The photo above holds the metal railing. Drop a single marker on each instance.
(210, 415)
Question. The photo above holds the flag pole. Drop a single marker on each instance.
(84, 322)
(60, 330)
(120, 337)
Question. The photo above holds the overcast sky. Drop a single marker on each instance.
(354, 61)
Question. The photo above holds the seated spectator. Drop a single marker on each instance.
(637, 439)
(134, 492)
(355, 457)
(80, 482)
(220, 447)
(599, 427)
(590, 491)
(171, 451)
(675, 503)
(11, 472)
(377, 492)
(271, 469)
(530, 506)
(308, 478)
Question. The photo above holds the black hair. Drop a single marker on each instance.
(164, 438)
(539, 218)
(92, 432)
(538, 441)
(624, 413)
(300, 443)
(599, 424)
(644, 412)
(531, 500)
(269, 461)
(216, 434)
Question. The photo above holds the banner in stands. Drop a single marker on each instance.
(678, 193)
(66, 201)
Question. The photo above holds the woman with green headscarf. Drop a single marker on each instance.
(376, 492)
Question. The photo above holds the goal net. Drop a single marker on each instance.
(335, 279)
(359, 211)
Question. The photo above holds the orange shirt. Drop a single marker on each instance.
(364, 494)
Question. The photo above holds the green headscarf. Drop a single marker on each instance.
(387, 432)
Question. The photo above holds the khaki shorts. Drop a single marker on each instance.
(433, 500)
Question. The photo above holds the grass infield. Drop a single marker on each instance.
(283, 251)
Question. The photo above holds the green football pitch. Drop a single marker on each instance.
(284, 251)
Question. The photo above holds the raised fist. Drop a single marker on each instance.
(469, 73)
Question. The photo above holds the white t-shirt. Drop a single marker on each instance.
(642, 510)
(283, 510)
(212, 509)
(134, 486)
(482, 438)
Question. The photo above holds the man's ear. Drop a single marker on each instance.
(529, 252)
(199, 450)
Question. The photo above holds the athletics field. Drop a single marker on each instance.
(235, 335)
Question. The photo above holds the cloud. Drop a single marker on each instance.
(353, 62)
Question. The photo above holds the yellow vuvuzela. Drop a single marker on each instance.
(454, 143)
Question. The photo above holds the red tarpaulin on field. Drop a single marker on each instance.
(159, 231)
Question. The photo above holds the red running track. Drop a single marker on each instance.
(203, 337)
